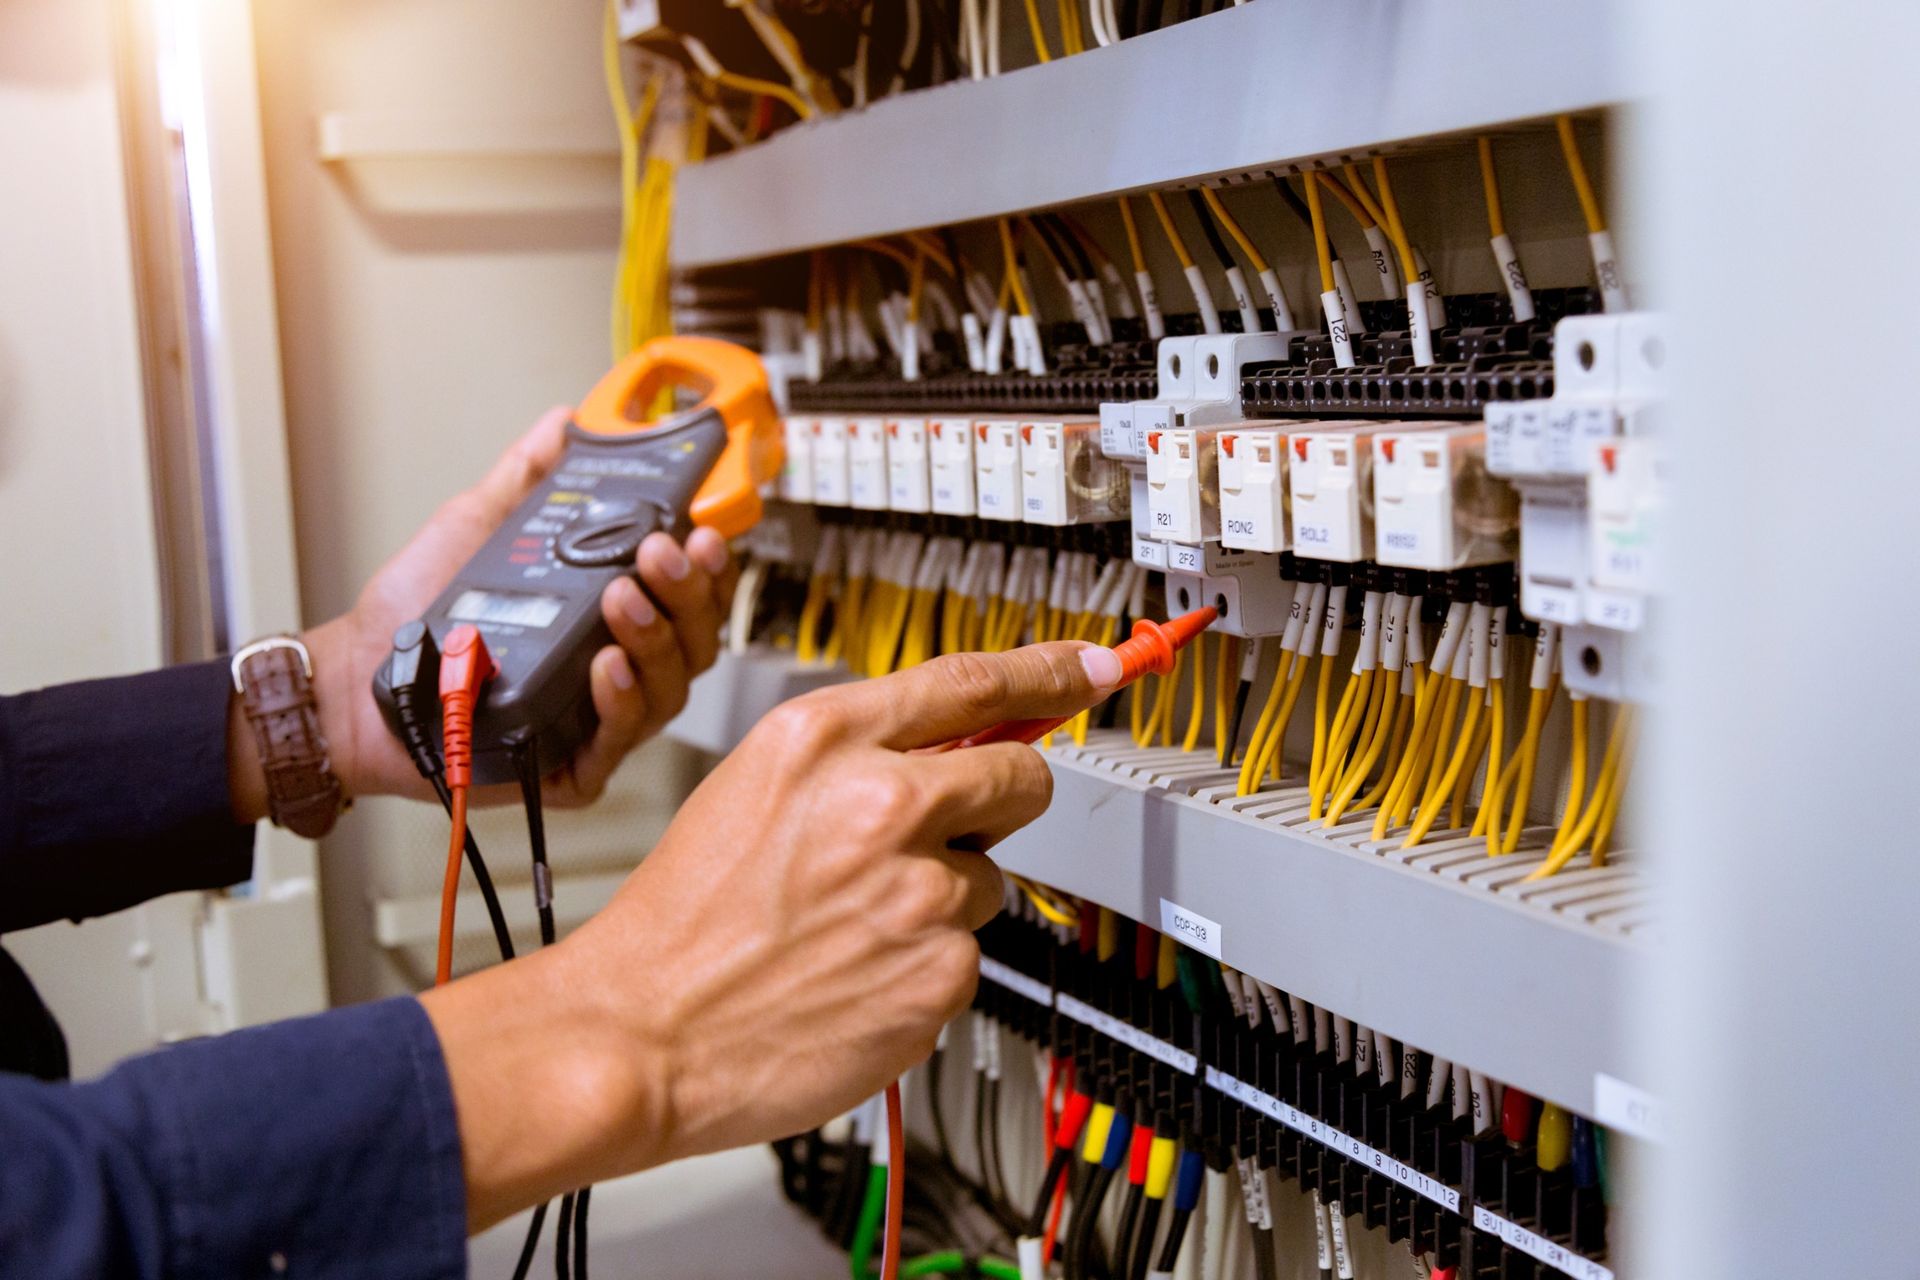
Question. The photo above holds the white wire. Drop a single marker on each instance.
(1096, 13)
(910, 49)
(974, 39)
(860, 56)
(993, 37)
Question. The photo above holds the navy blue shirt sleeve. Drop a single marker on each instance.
(115, 791)
(324, 1147)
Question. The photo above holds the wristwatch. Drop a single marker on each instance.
(274, 678)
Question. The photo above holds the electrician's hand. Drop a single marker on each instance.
(796, 940)
(638, 684)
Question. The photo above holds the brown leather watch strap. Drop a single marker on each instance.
(274, 678)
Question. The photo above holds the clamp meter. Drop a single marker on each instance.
(534, 589)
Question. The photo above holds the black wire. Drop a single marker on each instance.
(567, 1241)
(1086, 1218)
(981, 1108)
(1123, 1233)
(580, 1203)
(1176, 1232)
(524, 764)
(1129, 18)
(1060, 256)
(502, 937)
(993, 1144)
(1294, 202)
(1081, 259)
(562, 1239)
(1208, 229)
(1142, 1254)
(1057, 1167)
(939, 1111)
(532, 1243)
(1264, 1266)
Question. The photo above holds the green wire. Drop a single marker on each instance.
(867, 1231)
(860, 1255)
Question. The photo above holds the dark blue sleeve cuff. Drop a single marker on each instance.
(115, 791)
(324, 1147)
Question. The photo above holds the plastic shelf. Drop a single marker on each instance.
(730, 698)
(1440, 946)
(1254, 87)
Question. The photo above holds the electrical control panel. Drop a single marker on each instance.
(1387, 414)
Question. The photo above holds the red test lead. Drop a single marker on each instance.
(465, 668)
(1151, 647)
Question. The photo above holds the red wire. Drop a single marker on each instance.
(450, 889)
(896, 1184)
(1053, 1222)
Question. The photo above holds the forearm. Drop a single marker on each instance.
(552, 1087)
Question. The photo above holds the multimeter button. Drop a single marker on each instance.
(600, 543)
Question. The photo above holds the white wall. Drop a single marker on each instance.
(76, 512)
(430, 310)
(76, 509)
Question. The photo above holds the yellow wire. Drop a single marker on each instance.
(1430, 808)
(1490, 184)
(1178, 245)
(1357, 183)
(1321, 248)
(1353, 701)
(1576, 772)
(766, 88)
(1273, 755)
(1223, 682)
(1039, 36)
(1456, 811)
(1538, 704)
(1345, 196)
(1013, 264)
(1225, 219)
(1487, 821)
(1262, 726)
(1394, 228)
(1197, 710)
(1070, 37)
(1577, 169)
(1322, 688)
(1373, 742)
(1597, 856)
(1569, 843)
(1426, 684)
(1402, 724)
(1430, 753)
(1133, 234)
(916, 281)
(1052, 911)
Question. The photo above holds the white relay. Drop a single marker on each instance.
(830, 477)
(1253, 487)
(867, 463)
(796, 470)
(909, 473)
(996, 468)
(1435, 505)
(1182, 486)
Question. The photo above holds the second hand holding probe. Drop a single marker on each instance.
(1151, 647)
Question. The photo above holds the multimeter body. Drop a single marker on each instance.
(533, 590)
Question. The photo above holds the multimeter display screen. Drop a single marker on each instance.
(505, 608)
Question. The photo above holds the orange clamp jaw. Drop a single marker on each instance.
(731, 381)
